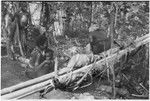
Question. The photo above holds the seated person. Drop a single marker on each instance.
(49, 64)
(41, 60)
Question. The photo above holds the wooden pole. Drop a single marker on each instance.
(56, 68)
(143, 40)
(62, 78)
(25, 90)
(31, 82)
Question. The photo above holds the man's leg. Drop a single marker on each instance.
(10, 48)
(19, 40)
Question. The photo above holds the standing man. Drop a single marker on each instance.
(23, 19)
(16, 28)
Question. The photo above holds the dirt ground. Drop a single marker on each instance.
(11, 73)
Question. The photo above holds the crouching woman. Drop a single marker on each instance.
(41, 60)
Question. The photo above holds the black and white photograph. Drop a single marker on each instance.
(74, 50)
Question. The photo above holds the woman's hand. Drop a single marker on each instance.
(47, 61)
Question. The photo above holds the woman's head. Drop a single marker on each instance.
(49, 54)
(41, 42)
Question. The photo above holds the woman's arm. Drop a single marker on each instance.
(34, 59)
(39, 66)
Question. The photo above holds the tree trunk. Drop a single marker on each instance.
(92, 15)
(112, 18)
(41, 14)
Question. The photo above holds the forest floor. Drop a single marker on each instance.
(11, 72)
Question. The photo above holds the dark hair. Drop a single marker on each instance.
(40, 40)
(50, 52)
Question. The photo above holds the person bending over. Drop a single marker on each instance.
(41, 60)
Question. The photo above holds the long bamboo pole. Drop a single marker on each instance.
(31, 82)
(49, 76)
(25, 90)
(83, 69)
